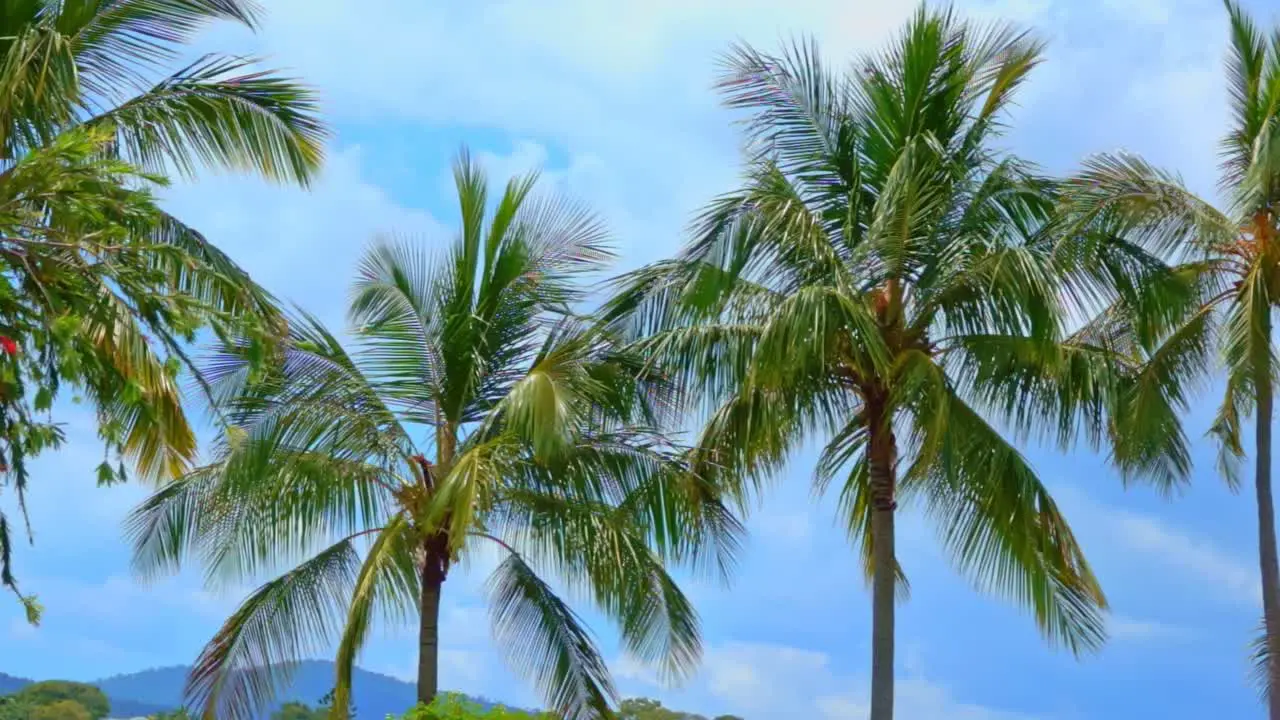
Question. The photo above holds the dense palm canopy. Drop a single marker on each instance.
(101, 289)
(1200, 285)
(471, 409)
(878, 281)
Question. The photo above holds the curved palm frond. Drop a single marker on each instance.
(1000, 523)
(282, 622)
(543, 637)
(605, 552)
(216, 112)
(388, 579)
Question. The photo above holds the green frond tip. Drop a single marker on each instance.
(1260, 658)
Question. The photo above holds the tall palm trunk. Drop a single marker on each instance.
(881, 453)
(1267, 529)
(429, 632)
(433, 571)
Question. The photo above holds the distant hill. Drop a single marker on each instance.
(150, 691)
(121, 707)
(375, 695)
(9, 683)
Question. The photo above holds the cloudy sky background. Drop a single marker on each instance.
(612, 102)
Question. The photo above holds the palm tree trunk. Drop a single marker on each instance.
(1267, 532)
(429, 642)
(884, 564)
(434, 568)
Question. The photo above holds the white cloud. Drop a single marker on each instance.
(1147, 12)
(915, 699)
(1123, 627)
(772, 682)
(1138, 539)
(1204, 563)
(301, 244)
(623, 89)
(118, 599)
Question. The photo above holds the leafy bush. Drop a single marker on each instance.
(451, 706)
(60, 710)
(54, 692)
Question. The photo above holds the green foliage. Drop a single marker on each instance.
(60, 710)
(89, 699)
(13, 707)
(99, 288)
(179, 714)
(326, 704)
(647, 709)
(452, 706)
(299, 711)
(473, 408)
(302, 711)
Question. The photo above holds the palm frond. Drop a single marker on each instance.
(1001, 525)
(1260, 658)
(797, 105)
(543, 637)
(388, 579)
(604, 552)
(215, 112)
(1253, 94)
(282, 622)
(117, 44)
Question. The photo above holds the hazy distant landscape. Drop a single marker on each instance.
(158, 690)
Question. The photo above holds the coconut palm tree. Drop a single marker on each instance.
(881, 263)
(1190, 289)
(471, 410)
(101, 288)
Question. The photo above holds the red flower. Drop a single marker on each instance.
(8, 345)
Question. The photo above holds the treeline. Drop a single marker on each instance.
(55, 700)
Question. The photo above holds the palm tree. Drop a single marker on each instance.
(881, 264)
(102, 288)
(471, 410)
(1183, 279)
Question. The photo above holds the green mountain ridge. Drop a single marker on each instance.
(160, 689)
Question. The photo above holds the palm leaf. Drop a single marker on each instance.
(282, 622)
(542, 636)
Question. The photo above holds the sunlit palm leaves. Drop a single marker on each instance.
(880, 263)
(472, 408)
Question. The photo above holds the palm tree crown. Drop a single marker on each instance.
(870, 282)
(472, 408)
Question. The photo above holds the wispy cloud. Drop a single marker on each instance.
(1124, 627)
(1218, 571)
(765, 681)
(1191, 559)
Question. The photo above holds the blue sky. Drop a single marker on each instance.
(612, 102)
